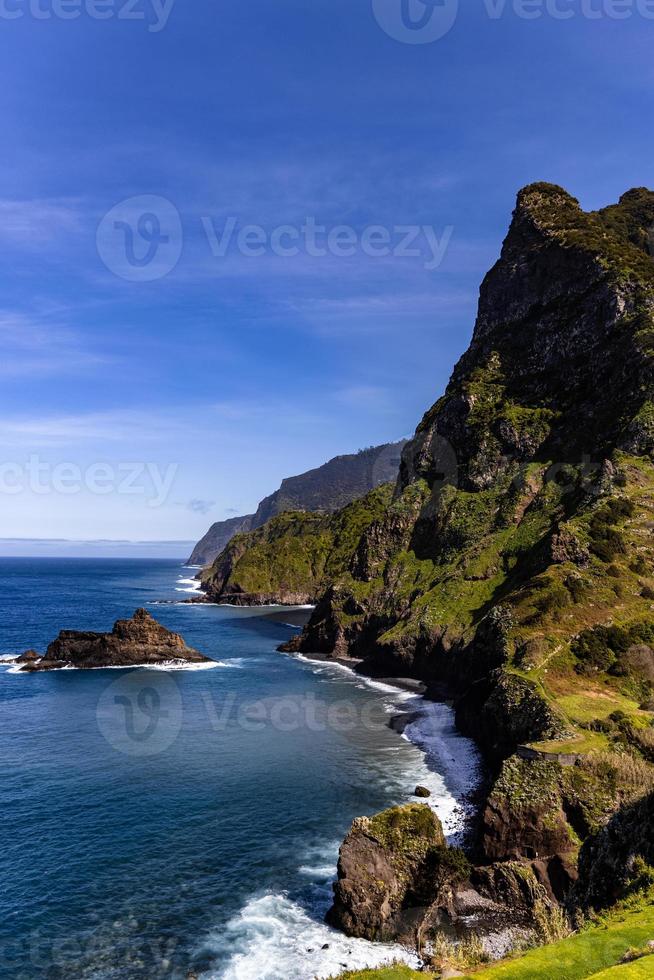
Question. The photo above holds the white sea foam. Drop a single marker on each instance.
(273, 938)
(449, 765)
(170, 665)
(264, 605)
(184, 666)
(192, 585)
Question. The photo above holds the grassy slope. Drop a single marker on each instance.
(490, 547)
(588, 954)
(397, 972)
(296, 552)
(594, 953)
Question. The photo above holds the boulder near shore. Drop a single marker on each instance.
(136, 642)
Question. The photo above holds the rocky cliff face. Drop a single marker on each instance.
(292, 558)
(132, 642)
(515, 564)
(326, 489)
(503, 477)
(218, 537)
(619, 859)
(398, 880)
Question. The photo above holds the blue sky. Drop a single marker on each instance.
(229, 372)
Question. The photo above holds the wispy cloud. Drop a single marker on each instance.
(40, 346)
(198, 506)
(37, 222)
(95, 428)
(393, 304)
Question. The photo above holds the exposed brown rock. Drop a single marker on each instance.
(385, 873)
(566, 547)
(132, 642)
(398, 881)
(30, 656)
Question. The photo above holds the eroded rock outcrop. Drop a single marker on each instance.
(387, 873)
(134, 642)
(619, 858)
(399, 881)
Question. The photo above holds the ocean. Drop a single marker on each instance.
(173, 823)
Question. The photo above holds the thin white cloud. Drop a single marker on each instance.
(40, 346)
(94, 427)
(35, 222)
(159, 426)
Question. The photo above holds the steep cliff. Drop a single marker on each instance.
(293, 557)
(515, 564)
(218, 537)
(326, 489)
(619, 860)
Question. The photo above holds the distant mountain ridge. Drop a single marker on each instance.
(327, 488)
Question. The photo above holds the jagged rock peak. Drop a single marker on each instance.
(132, 642)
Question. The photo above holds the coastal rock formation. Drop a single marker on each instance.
(290, 560)
(399, 881)
(325, 490)
(133, 642)
(386, 871)
(514, 566)
(218, 537)
(619, 859)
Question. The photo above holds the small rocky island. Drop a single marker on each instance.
(137, 642)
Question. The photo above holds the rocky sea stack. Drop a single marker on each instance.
(139, 641)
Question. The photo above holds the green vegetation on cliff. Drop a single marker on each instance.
(326, 489)
(515, 564)
(602, 951)
(293, 557)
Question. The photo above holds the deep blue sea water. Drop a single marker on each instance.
(155, 823)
